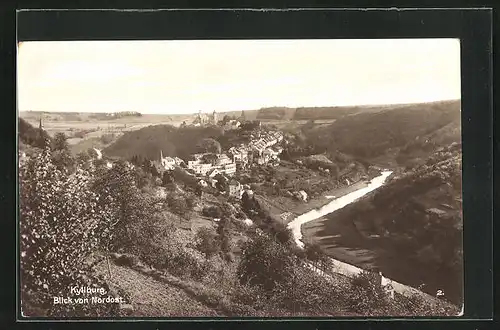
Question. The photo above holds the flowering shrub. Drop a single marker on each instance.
(61, 224)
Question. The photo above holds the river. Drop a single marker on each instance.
(336, 204)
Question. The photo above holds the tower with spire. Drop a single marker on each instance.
(214, 118)
(162, 160)
(40, 125)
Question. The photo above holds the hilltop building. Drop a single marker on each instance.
(204, 119)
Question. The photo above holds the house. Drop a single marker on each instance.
(270, 153)
(302, 195)
(168, 163)
(192, 163)
(213, 172)
(178, 161)
(234, 189)
(229, 169)
(197, 156)
(200, 169)
(212, 182)
(222, 159)
(435, 211)
(232, 124)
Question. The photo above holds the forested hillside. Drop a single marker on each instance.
(409, 129)
(29, 135)
(147, 142)
(414, 223)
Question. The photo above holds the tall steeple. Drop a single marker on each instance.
(215, 117)
(40, 126)
(161, 155)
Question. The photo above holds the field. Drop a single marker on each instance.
(87, 130)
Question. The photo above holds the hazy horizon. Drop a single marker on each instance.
(239, 110)
(183, 77)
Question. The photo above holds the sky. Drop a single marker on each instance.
(174, 77)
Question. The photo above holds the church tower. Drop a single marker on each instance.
(40, 126)
(215, 118)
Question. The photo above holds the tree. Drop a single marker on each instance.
(222, 183)
(124, 202)
(210, 158)
(62, 159)
(207, 242)
(248, 202)
(168, 178)
(92, 153)
(60, 142)
(208, 145)
(223, 230)
(265, 263)
(178, 205)
(227, 118)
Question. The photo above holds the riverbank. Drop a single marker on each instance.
(341, 236)
(336, 204)
(293, 207)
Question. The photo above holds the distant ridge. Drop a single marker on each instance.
(265, 113)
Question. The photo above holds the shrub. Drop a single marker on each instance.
(212, 211)
(61, 224)
(207, 242)
(128, 260)
(265, 263)
(366, 294)
(107, 138)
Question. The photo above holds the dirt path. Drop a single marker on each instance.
(152, 298)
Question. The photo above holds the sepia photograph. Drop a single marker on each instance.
(240, 178)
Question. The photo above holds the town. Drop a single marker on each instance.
(263, 149)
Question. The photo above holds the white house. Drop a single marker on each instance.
(168, 163)
(303, 195)
(178, 161)
(213, 172)
(229, 169)
(223, 159)
(235, 189)
(232, 124)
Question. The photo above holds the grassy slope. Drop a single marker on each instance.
(153, 298)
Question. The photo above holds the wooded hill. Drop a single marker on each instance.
(413, 131)
(31, 136)
(147, 142)
(417, 219)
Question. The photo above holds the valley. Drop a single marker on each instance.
(217, 185)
